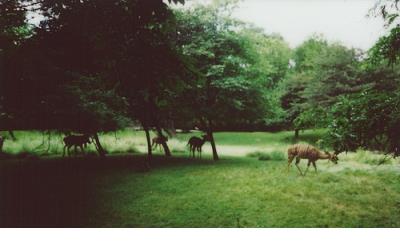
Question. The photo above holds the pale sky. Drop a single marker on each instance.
(345, 21)
(296, 20)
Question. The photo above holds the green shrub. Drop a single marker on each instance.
(268, 156)
(370, 158)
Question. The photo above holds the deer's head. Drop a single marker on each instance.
(206, 137)
(332, 157)
(88, 139)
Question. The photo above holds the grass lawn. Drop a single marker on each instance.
(237, 191)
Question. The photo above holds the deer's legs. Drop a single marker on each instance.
(65, 147)
(81, 147)
(308, 165)
(315, 166)
(297, 165)
(289, 163)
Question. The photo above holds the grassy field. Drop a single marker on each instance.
(248, 187)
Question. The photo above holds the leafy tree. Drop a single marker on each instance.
(369, 119)
(13, 31)
(118, 48)
(226, 91)
(388, 46)
(322, 73)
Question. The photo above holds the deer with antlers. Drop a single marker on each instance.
(75, 141)
(158, 141)
(310, 153)
(195, 144)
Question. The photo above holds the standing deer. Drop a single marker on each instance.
(76, 141)
(308, 152)
(195, 144)
(1, 143)
(158, 141)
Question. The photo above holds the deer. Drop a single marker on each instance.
(158, 141)
(80, 141)
(195, 144)
(310, 153)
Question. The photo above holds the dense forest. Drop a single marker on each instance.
(91, 66)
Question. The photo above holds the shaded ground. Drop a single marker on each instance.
(179, 192)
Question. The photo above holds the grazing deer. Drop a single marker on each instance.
(158, 141)
(308, 152)
(195, 144)
(76, 141)
(1, 143)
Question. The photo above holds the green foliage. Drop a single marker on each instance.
(237, 66)
(370, 120)
(371, 159)
(103, 109)
(306, 54)
(388, 46)
(321, 74)
(268, 156)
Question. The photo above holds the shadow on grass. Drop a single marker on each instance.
(61, 192)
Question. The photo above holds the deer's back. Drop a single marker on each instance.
(75, 139)
(160, 139)
(303, 151)
(195, 141)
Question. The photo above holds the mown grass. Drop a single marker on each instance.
(120, 191)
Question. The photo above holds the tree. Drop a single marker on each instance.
(369, 119)
(224, 93)
(322, 73)
(78, 45)
(388, 46)
(13, 31)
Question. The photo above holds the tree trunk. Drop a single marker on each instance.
(99, 148)
(149, 149)
(212, 141)
(12, 135)
(296, 133)
(164, 144)
(1, 144)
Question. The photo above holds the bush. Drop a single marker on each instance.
(369, 119)
(268, 156)
(370, 158)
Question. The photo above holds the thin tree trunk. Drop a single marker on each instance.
(149, 149)
(12, 135)
(164, 144)
(99, 148)
(1, 144)
(296, 133)
(212, 141)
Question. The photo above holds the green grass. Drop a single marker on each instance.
(240, 191)
(248, 193)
